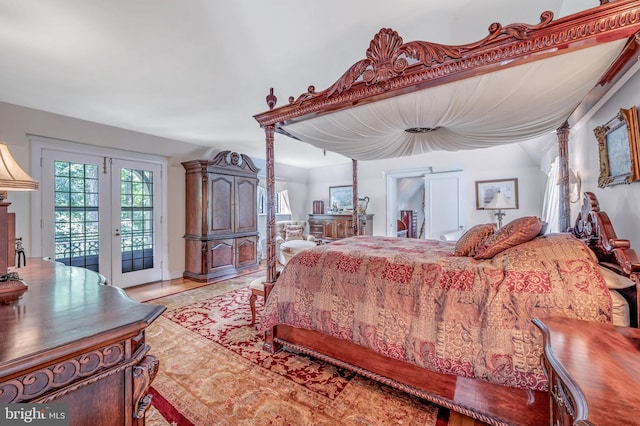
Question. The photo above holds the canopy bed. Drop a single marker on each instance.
(415, 97)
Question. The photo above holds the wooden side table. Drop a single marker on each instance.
(593, 371)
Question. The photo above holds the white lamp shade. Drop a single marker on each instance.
(12, 177)
(499, 201)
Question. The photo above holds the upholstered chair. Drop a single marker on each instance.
(291, 230)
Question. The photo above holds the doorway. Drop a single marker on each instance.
(433, 197)
(405, 188)
(102, 213)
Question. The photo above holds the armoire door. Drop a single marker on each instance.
(246, 206)
(222, 199)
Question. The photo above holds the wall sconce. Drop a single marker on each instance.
(12, 178)
(575, 186)
(499, 202)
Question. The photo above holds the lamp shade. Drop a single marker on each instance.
(12, 177)
(499, 201)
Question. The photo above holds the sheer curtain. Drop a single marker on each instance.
(284, 207)
(551, 204)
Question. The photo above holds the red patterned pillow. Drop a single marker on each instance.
(293, 232)
(469, 242)
(515, 232)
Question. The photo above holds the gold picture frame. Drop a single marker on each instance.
(340, 198)
(486, 189)
(618, 147)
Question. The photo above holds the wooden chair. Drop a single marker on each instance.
(257, 289)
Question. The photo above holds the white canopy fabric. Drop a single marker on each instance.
(510, 105)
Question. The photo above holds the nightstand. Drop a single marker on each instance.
(593, 371)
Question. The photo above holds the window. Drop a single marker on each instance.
(76, 214)
(281, 201)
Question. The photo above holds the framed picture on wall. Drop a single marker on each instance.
(619, 149)
(487, 189)
(341, 197)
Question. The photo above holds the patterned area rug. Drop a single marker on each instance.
(213, 371)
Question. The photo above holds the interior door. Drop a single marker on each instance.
(442, 203)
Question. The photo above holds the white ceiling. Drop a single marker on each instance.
(198, 70)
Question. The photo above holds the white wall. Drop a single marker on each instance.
(507, 161)
(621, 202)
(16, 123)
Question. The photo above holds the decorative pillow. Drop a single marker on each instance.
(293, 232)
(613, 280)
(515, 232)
(469, 242)
(620, 309)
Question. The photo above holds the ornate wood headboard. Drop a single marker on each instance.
(594, 228)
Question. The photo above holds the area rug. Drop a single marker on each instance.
(213, 371)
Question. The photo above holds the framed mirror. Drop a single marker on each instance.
(618, 148)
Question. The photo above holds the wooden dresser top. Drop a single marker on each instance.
(599, 364)
(63, 306)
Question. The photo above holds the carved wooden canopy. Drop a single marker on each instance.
(392, 67)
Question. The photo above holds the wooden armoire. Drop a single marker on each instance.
(221, 232)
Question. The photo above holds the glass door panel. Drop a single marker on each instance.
(136, 234)
(76, 214)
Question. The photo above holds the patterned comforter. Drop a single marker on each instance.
(413, 300)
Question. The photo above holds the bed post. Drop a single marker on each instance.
(355, 215)
(271, 206)
(563, 151)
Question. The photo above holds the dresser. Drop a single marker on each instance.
(221, 219)
(327, 227)
(72, 340)
(593, 371)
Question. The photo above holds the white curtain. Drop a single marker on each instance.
(283, 202)
(476, 112)
(551, 204)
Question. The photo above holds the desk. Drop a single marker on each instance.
(70, 339)
(593, 371)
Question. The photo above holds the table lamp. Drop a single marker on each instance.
(12, 178)
(499, 202)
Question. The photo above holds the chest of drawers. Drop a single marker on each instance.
(337, 226)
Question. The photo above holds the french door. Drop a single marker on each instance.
(103, 214)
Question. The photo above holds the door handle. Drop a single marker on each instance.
(117, 232)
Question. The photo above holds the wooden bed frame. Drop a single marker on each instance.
(505, 46)
(490, 403)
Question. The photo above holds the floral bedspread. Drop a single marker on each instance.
(414, 301)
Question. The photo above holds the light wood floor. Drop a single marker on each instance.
(145, 292)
